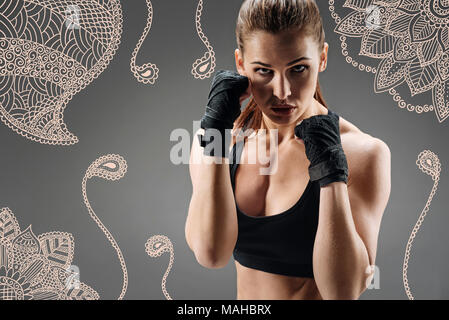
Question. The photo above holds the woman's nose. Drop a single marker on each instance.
(281, 88)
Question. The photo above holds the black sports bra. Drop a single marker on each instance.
(281, 243)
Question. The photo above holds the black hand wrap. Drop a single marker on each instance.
(321, 136)
(223, 108)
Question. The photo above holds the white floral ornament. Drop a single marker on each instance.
(411, 39)
(35, 268)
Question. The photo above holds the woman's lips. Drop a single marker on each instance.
(283, 109)
(283, 106)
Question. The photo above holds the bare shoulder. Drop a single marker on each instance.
(363, 151)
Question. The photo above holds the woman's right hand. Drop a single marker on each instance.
(227, 92)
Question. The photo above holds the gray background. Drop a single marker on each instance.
(41, 184)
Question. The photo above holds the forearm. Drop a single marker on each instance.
(211, 226)
(340, 258)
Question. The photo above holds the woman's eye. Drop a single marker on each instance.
(297, 69)
(257, 70)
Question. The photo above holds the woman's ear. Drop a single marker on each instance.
(239, 62)
(323, 57)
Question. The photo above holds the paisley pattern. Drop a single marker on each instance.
(203, 67)
(49, 51)
(148, 72)
(429, 164)
(109, 167)
(410, 38)
(155, 247)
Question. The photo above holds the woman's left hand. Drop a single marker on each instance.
(321, 136)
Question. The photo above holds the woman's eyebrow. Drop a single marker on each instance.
(288, 64)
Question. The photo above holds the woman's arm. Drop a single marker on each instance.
(211, 226)
(349, 222)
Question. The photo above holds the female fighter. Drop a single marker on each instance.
(309, 229)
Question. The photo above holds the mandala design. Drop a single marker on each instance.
(411, 40)
(37, 268)
(203, 67)
(148, 72)
(49, 51)
(428, 163)
(155, 247)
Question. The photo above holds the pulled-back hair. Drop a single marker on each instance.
(275, 16)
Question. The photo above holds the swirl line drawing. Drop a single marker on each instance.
(148, 72)
(49, 51)
(428, 163)
(109, 167)
(155, 247)
(203, 67)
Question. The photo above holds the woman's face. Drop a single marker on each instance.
(282, 68)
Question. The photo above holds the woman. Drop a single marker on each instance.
(322, 245)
